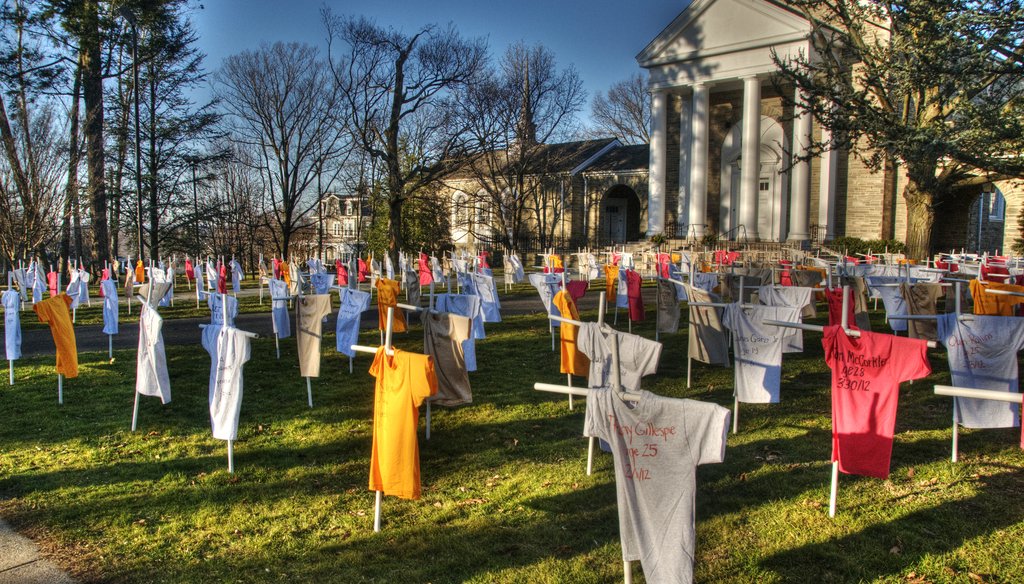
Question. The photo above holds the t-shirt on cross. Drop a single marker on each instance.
(668, 307)
(707, 342)
(346, 328)
(759, 348)
(151, 361)
(12, 324)
(637, 356)
(573, 361)
(657, 443)
(54, 311)
(387, 295)
(310, 312)
(866, 373)
(404, 380)
(110, 316)
(279, 308)
(229, 350)
(443, 338)
(982, 353)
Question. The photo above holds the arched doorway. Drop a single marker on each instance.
(771, 184)
(620, 215)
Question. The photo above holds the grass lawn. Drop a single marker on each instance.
(505, 493)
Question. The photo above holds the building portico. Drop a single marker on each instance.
(736, 142)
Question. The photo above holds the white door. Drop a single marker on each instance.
(767, 207)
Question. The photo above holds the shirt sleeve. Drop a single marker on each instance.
(910, 357)
(706, 426)
(595, 420)
(377, 367)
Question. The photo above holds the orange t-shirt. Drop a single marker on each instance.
(404, 380)
(574, 361)
(611, 277)
(387, 295)
(994, 304)
(140, 273)
(54, 311)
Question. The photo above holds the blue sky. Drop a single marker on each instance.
(601, 38)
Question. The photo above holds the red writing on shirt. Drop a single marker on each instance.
(642, 439)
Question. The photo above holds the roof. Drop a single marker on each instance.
(623, 159)
(564, 157)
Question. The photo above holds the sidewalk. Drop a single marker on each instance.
(20, 562)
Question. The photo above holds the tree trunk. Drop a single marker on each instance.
(74, 159)
(92, 82)
(920, 218)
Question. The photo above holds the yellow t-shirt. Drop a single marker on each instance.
(611, 278)
(140, 273)
(387, 295)
(404, 380)
(54, 311)
(574, 361)
(994, 304)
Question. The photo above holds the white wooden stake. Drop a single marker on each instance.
(956, 433)
(10, 365)
(309, 392)
(627, 572)
(231, 456)
(834, 490)
(60, 389)
(135, 411)
(376, 512)
(110, 346)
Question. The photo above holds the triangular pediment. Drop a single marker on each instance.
(714, 27)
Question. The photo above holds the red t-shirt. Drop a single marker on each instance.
(426, 276)
(341, 272)
(633, 295)
(222, 280)
(866, 377)
(190, 271)
(835, 308)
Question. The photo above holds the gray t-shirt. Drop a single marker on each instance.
(346, 328)
(891, 299)
(151, 376)
(759, 347)
(707, 342)
(657, 443)
(795, 296)
(982, 352)
(637, 356)
(668, 307)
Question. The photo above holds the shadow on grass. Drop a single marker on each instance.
(869, 554)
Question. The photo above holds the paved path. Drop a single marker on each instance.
(20, 562)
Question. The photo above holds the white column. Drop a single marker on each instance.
(800, 175)
(750, 163)
(659, 164)
(827, 187)
(699, 160)
(682, 205)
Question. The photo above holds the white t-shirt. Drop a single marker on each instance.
(346, 330)
(217, 309)
(229, 350)
(490, 305)
(514, 271)
(982, 354)
(151, 362)
(657, 443)
(236, 276)
(758, 350)
(110, 302)
(547, 286)
(279, 308)
(12, 323)
(74, 288)
(637, 356)
(198, 271)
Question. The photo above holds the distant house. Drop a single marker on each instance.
(590, 192)
(344, 220)
(723, 140)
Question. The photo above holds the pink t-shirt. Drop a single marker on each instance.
(633, 294)
(866, 376)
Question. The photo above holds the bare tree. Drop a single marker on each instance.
(281, 101)
(398, 92)
(514, 114)
(624, 112)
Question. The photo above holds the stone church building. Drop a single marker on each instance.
(722, 147)
(722, 143)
